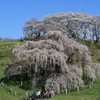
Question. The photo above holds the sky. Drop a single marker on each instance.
(14, 13)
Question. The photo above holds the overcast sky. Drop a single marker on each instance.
(14, 13)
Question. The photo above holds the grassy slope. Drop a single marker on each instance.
(84, 94)
(5, 49)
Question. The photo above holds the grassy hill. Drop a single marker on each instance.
(84, 94)
(5, 58)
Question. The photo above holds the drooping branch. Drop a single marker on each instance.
(51, 56)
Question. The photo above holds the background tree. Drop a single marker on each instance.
(96, 30)
(76, 25)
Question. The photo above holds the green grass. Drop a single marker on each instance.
(84, 94)
(6, 50)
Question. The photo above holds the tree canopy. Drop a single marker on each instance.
(59, 61)
(76, 25)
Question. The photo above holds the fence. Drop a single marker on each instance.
(15, 93)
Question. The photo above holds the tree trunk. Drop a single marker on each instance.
(34, 80)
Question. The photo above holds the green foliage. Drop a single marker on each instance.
(6, 48)
(88, 43)
(35, 38)
(98, 45)
(94, 49)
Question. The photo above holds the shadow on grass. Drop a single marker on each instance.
(1, 79)
(26, 86)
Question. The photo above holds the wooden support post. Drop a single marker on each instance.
(21, 83)
(11, 90)
(15, 93)
(90, 85)
(2, 84)
(66, 90)
(26, 94)
(78, 89)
